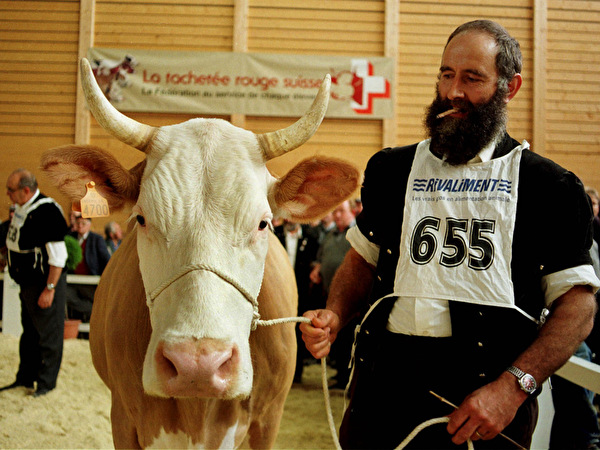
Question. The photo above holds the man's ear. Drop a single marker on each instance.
(513, 86)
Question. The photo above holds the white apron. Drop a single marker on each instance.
(457, 232)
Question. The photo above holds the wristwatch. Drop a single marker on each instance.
(526, 381)
(50, 286)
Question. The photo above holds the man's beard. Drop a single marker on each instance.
(459, 140)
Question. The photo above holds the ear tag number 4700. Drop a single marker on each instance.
(93, 204)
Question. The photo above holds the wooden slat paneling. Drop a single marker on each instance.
(334, 27)
(38, 57)
(573, 87)
(191, 26)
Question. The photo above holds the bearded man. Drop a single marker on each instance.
(463, 289)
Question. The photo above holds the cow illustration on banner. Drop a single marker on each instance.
(360, 86)
(112, 76)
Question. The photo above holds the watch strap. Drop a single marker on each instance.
(516, 372)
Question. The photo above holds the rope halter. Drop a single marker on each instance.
(201, 266)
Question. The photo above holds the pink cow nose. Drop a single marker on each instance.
(196, 368)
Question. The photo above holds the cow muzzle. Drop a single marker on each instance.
(197, 368)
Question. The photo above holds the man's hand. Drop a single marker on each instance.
(315, 274)
(487, 411)
(321, 332)
(46, 299)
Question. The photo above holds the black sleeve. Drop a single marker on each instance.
(383, 192)
(554, 216)
(573, 226)
(55, 226)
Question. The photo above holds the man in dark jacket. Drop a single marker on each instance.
(36, 257)
(450, 253)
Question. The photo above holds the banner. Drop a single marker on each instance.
(220, 83)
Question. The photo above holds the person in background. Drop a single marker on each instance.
(73, 222)
(3, 233)
(331, 253)
(595, 198)
(593, 193)
(323, 226)
(113, 236)
(593, 340)
(36, 257)
(357, 206)
(575, 422)
(461, 291)
(301, 244)
(80, 297)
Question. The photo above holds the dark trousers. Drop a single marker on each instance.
(575, 424)
(80, 299)
(391, 399)
(41, 344)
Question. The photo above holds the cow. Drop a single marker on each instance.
(173, 331)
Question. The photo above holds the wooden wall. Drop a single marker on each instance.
(41, 41)
(38, 79)
(573, 87)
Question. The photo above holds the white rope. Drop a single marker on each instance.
(267, 323)
(200, 266)
(326, 396)
(332, 430)
(424, 425)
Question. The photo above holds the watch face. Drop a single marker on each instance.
(528, 383)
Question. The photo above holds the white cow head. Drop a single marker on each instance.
(204, 201)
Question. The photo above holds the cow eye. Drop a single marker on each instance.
(263, 224)
(141, 220)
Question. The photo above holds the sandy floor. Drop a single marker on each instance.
(77, 413)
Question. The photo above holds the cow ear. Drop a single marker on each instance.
(313, 188)
(71, 167)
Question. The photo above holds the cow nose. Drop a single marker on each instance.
(196, 367)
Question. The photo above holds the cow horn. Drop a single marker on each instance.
(119, 125)
(279, 142)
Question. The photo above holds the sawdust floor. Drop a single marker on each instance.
(77, 413)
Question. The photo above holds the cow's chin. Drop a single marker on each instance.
(197, 368)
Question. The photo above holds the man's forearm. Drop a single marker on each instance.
(54, 275)
(350, 286)
(489, 409)
(570, 322)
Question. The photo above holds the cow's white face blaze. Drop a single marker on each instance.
(202, 205)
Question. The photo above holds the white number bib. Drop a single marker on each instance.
(458, 230)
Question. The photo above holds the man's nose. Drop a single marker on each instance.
(456, 89)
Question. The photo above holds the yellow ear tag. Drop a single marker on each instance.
(93, 204)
